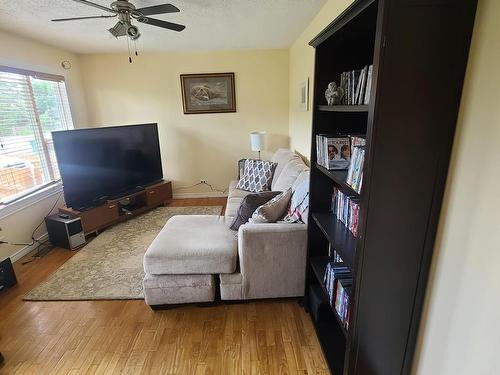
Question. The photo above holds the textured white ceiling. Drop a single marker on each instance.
(210, 24)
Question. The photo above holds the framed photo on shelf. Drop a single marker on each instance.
(304, 95)
(208, 93)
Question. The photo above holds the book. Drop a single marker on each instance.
(359, 83)
(339, 153)
(356, 85)
(333, 151)
(342, 299)
(346, 209)
(334, 272)
(357, 140)
(368, 85)
(355, 170)
(361, 97)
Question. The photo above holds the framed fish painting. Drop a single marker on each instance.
(208, 93)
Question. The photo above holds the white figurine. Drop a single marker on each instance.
(334, 94)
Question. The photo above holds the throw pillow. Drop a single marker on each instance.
(249, 205)
(299, 204)
(273, 210)
(257, 176)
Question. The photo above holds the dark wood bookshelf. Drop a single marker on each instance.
(343, 108)
(409, 133)
(340, 178)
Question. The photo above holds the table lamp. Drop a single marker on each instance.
(257, 141)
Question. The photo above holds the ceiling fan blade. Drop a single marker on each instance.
(163, 24)
(80, 18)
(89, 3)
(158, 9)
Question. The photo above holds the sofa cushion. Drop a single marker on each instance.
(193, 244)
(249, 204)
(231, 286)
(232, 206)
(236, 193)
(281, 157)
(299, 204)
(289, 175)
(304, 175)
(257, 175)
(273, 210)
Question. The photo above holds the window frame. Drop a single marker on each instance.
(48, 189)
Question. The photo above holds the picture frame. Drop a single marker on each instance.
(304, 95)
(208, 93)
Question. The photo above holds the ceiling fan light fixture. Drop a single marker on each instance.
(133, 32)
(118, 30)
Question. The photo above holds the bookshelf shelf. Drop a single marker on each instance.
(396, 223)
(339, 177)
(343, 108)
(318, 264)
(338, 235)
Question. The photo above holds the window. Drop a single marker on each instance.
(32, 105)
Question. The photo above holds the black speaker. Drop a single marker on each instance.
(65, 232)
(7, 275)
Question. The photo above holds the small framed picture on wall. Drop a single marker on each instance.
(208, 93)
(304, 95)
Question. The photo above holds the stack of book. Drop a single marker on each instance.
(355, 171)
(346, 209)
(357, 85)
(342, 300)
(338, 282)
(333, 151)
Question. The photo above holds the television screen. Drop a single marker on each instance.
(101, 163)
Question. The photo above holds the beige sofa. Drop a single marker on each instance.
(187, 257)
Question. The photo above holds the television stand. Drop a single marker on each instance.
(121, 208)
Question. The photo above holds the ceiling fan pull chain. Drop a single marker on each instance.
(129, 56)
(135, 47)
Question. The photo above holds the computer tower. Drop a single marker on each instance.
(65, 232)
(7, 275)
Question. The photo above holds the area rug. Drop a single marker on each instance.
(110, 266)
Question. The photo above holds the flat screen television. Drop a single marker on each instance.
(103, 163)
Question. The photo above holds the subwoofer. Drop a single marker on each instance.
(65, 232)
(7, 275)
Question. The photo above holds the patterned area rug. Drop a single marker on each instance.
(110, 266)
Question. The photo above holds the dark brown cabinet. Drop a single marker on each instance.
(122, 208)
(157, 194)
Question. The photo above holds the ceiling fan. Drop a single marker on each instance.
(126, 13)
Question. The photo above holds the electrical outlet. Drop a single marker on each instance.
(203, 181)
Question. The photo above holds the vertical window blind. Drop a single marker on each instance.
(32, 105)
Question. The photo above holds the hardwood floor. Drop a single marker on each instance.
(115, 337)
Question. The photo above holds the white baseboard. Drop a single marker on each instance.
(27, 249)
(211, 194)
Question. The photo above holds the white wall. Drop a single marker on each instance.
(198, 146)
(301, 68)
(460, 333)
(23, 53)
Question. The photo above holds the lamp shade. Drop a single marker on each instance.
(257, 141)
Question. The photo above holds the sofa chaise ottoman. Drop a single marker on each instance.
(182, 259)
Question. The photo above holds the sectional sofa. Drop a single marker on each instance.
(193, 256)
